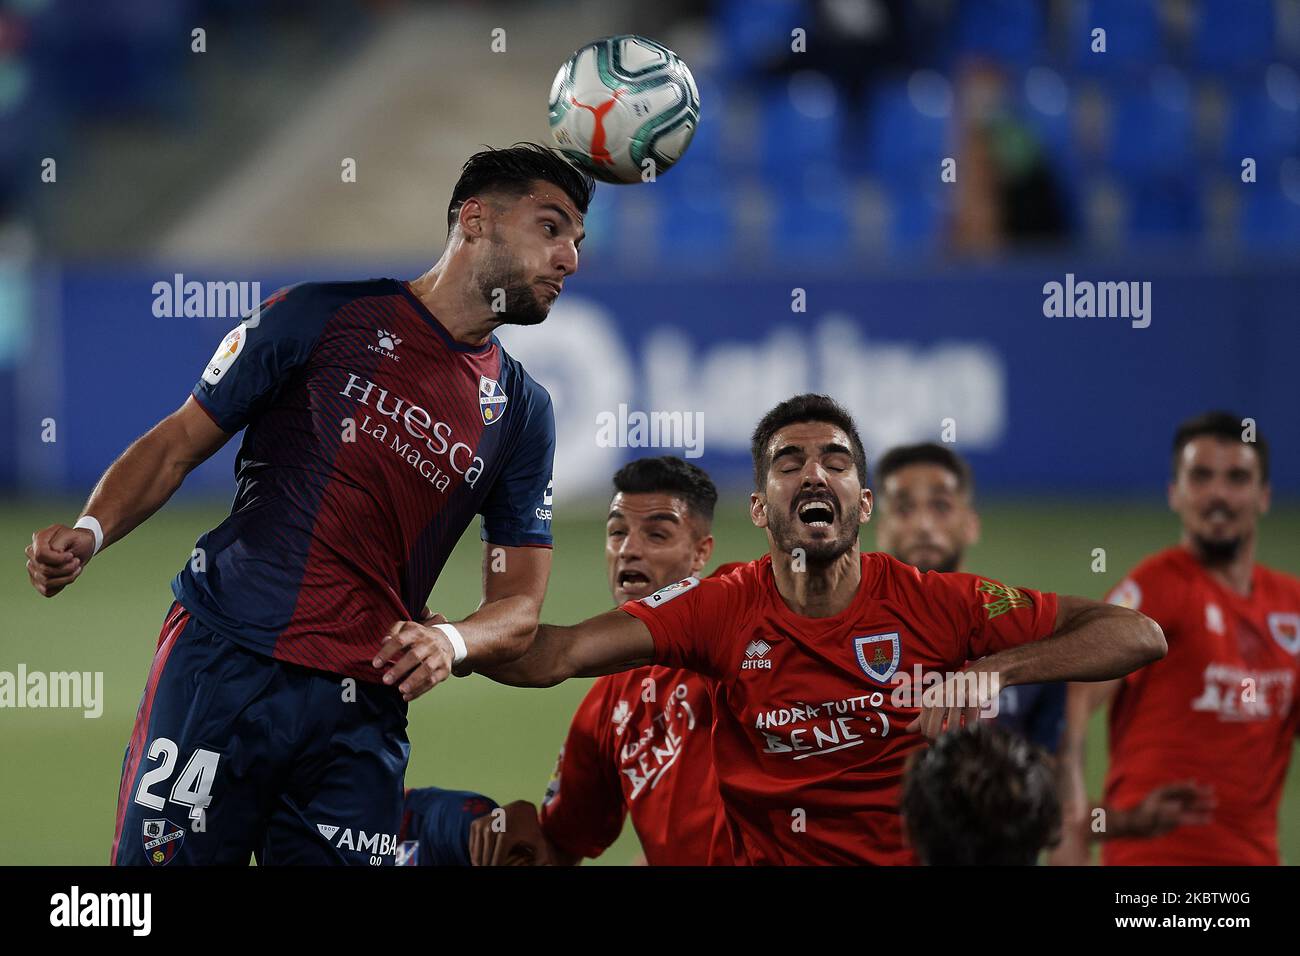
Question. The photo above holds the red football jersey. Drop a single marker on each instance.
(808, 741)
(638, 745)
(1220, 709)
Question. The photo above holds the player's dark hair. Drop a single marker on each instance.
(979, 796)
(670, 475)
(513, 170)
(1223, 425)
(804, 408)
(926, 453)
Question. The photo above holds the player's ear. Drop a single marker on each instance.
(471, 217)
(703, 551)
(1265, 498)
(758, 510)
(973, 528)
(865, 506)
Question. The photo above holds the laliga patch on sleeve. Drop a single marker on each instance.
(225, 354)
(664, 595)
(1126, 594)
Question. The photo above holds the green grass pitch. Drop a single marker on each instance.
(60, 770)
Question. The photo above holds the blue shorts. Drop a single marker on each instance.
(235, 754)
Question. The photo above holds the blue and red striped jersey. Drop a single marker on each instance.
(372, 439)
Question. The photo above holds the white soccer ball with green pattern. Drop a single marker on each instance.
(624, 108)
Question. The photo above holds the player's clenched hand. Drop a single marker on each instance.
(511, 836)
(416, 656)
(964, 695)
(1166, 807)
(56, 557)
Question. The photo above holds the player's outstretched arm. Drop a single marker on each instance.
(514, 587)
(416, 656)
(605, 644)
(1092, 641)
(133, 488)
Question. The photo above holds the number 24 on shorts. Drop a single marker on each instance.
(193, 788)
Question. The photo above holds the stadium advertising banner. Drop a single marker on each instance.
(1047, 380)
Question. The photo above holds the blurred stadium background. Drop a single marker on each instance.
(814, 170)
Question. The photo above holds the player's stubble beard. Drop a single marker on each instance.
(784, 528)
(501, 280)
(951, 561)
(1216, 552)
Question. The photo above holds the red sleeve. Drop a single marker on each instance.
(988, 616)
(583, 810)
(690, 620)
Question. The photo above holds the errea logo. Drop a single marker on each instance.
(387, 344)
(622, 714)
(756, 656)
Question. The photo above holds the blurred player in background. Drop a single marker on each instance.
(1219, 715)
(639, 742)
(980, 796)
(381, 417)
(809, 740)
(928, 520)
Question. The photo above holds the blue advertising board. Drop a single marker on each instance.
(1041, 399)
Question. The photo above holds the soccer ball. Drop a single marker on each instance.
(624, 108)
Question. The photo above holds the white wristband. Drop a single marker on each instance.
(459, 650)
(91, 525)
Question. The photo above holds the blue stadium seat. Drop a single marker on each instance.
(906, 133)
(1263, 118)
(604, 222)
(1134, 36)
(1151, 129)
(753, 33)
(27, 132)
(1010, 31)
(812, 222)
(706, 145)
(1162, 208)
(1233, 35)
(1046, 102)
(1270, 215)
(918, 213)
(802, 122)
(114, 56)
(696, 221)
